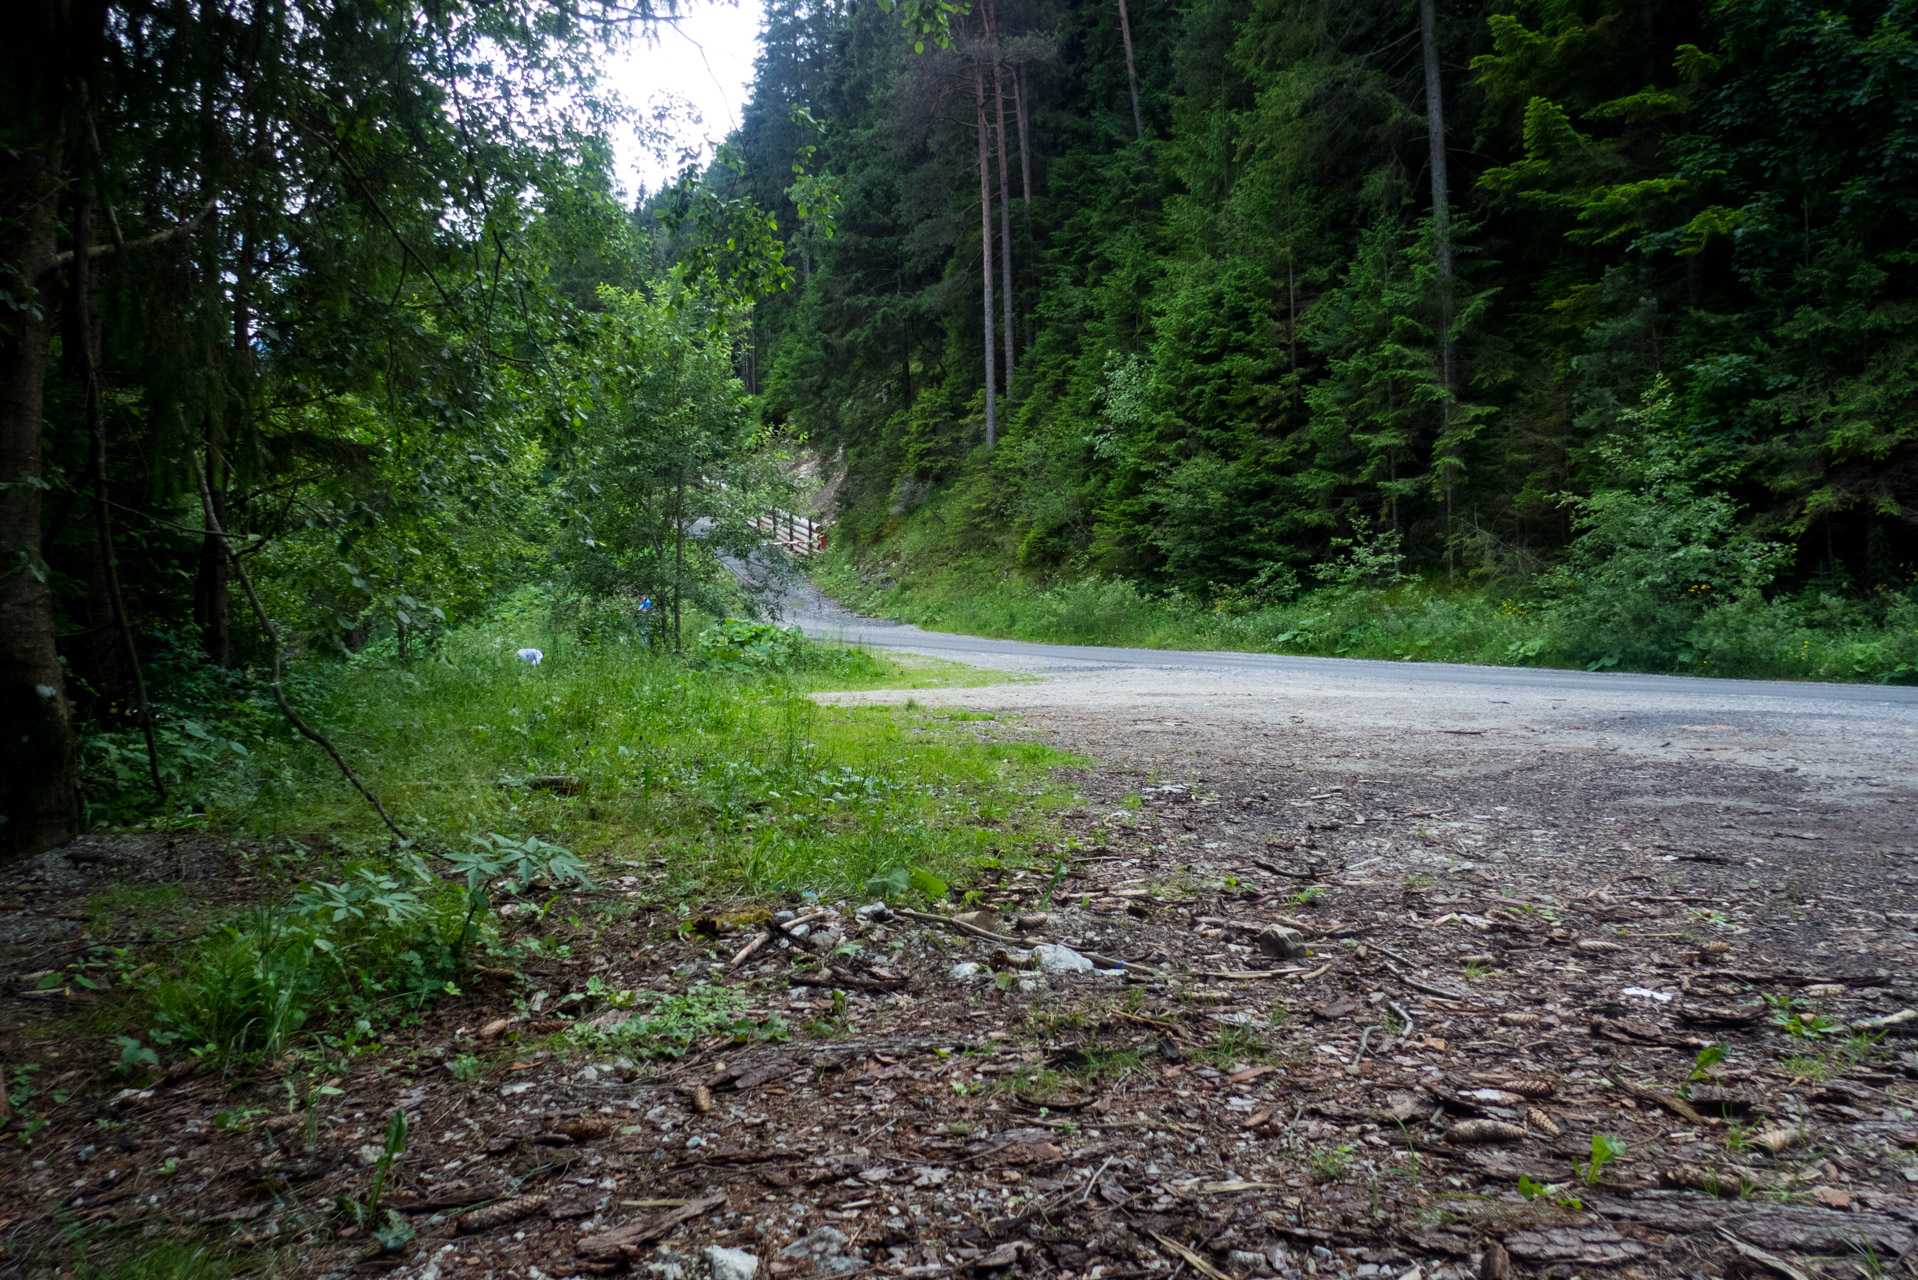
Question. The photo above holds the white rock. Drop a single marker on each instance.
(970, 971)
(731, 1264)
(1052, 958)
(369, 1155)
(821, 1242)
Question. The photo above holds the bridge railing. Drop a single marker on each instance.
(801, 535)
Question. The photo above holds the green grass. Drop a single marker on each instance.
(699, 779)
(1811, 636)
(711, 780)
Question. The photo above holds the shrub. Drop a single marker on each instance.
(366, 947)
(738, 644)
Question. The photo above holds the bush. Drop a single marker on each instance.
(738, 644)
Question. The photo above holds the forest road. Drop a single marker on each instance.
(1166, 706)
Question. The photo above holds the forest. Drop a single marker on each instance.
(326, 331)
(1569, 331)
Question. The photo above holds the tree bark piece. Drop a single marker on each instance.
(623, 1244)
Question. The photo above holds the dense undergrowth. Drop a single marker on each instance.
(703, 776)
(1812, 635)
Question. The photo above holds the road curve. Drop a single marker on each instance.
(1847, 735)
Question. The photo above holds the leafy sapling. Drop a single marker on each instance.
(1605, 1149)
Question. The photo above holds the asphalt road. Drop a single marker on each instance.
(1843, 735)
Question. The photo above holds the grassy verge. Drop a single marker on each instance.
(689, 780)
(1810, 637)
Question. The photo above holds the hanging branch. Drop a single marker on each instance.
(273, 638)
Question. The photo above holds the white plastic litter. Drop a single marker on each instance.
(1645, 993)
(530, 655)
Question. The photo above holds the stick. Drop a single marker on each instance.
(1404, 1017)
(1190, 1258)
(1364, 1038)
(959, 926)
(273, 638)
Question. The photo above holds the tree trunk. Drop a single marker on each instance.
(985, 245)
(1131, 74)
(679, 556)
(1442, 252)
(1025, 142)
(1005, 193)
(38, 765)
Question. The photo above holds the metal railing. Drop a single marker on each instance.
(801, 535)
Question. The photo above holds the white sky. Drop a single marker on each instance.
(705, 62)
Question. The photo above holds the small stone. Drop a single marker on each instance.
(495, 1029)
(824, 1241)
(1245, 1261)
(731, 1264)
(1051, 958)
(840, 1265)
(874, 911)
(1281, 943)
(370, 1154)
(969, 971)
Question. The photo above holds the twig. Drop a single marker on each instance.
(1190, 1258)
(749, 950)
(1404, 1017)
(1672, 1103)
(960, 926)
(1430, 989)
(1095, 1178)
(158, 237)
(1364, 1039)
(273, 639)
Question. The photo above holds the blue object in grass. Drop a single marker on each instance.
(530, 655)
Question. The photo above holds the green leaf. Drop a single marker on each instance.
(894, 884)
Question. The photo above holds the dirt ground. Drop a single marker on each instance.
(1511, 933)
